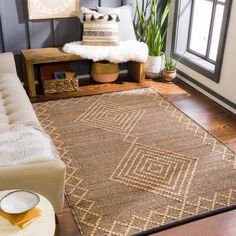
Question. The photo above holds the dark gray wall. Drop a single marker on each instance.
(17, 32)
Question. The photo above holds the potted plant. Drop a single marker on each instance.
(150, 29)
(169, 72)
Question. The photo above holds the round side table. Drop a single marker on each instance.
(44, 225)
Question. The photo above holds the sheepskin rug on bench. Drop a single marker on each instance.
(126, 51)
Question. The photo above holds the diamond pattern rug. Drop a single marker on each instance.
(134, 161)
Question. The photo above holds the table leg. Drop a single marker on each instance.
(136, 70)
(30, 79)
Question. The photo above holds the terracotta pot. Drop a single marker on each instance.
(169, 75)
(154, 65)
(105, 72)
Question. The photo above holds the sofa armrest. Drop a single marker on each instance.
(7, 63)
(46, 178)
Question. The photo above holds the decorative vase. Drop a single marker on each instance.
(169, 76)
(104, 72)
(154, 66)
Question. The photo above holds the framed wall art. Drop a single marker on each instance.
(50, 9)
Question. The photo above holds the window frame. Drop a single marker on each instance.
(213, 75)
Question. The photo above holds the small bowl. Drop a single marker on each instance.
(18, 202)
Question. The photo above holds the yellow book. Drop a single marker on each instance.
(22, 225)
(24, 219)
(70, 75)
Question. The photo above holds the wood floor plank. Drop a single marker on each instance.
(218, 121)
(219, 225)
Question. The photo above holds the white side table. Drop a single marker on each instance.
(44, 225)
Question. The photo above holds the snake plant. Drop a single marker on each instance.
(169, 64)
(150, 27)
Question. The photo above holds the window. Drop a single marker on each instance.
(205, 26)
(200, 29)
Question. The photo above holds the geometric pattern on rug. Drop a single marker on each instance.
(155, 168)
(111, 117)
(206, 138)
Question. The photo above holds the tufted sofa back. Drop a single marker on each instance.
(15, 106)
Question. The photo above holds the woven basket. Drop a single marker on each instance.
(60, 85)
(105, 72)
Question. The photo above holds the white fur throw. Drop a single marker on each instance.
(26, 143)
(126, 51)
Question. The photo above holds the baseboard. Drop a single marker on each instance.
(208, 92)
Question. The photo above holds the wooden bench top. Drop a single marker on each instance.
(46, 55)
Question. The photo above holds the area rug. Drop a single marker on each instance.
(136, 162)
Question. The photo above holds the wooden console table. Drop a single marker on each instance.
(31, 57)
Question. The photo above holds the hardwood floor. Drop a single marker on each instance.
(219, 122)
(218, 225)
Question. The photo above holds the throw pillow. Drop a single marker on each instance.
(125, 26)
(99, 29)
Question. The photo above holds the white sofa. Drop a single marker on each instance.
(46, 177)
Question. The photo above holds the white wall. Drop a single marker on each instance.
(227, 85)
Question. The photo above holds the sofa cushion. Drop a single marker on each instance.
(15, 106)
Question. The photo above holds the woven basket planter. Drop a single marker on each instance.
(105, 72)
(60, 85)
